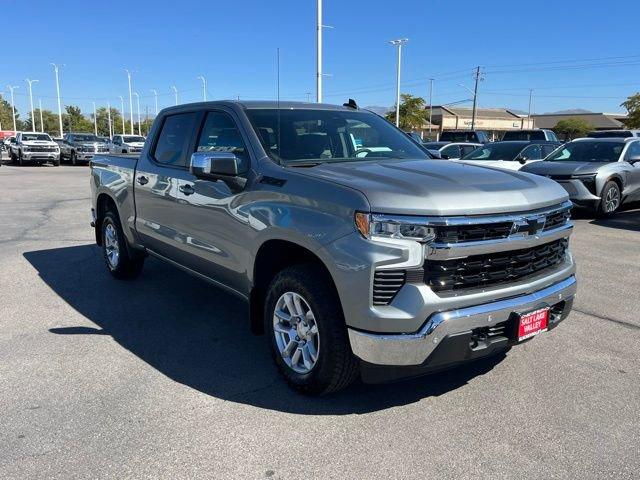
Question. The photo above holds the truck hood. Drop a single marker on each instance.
(440, 187)
(39, 143)
(134, 144)
(563, 168)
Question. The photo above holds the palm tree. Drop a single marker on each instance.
(412, 113)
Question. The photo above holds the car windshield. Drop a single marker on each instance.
(496, 151)
(588, 152)
(85, 138)
(457, 136)
(319, 136)
(524, 135)
(30, 137)
(611, 134)
(133, 139)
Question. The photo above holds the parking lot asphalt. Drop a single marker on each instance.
(160, 377)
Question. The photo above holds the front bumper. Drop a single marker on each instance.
(440, 328)
(578, 192)
(40, 156)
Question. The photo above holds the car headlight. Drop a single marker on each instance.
(588, 180)
(374, 226)
(25, 149)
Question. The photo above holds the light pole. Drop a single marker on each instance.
(398, 43)
(109, 119)
(95, 120)
(122, 113)
(175, 93)
(204, 87)
(475, 98)
(55, 69)
(529, 115)
(41, 121)
(138, 105)
(430, 105)
(33, 118)
(155, 94)
(319, 52)
(13, 106)
(130, 101)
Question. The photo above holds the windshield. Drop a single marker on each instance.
(588, 152)
(30, 137)
(495, 151)
(318, 136)
(133, 139)
(611, 134)
(524, 135)
(458, 136)
(85, 138)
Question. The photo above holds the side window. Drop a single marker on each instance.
(547, 149)
(532, 152)
(634, 150)
(220, 134)
(174, 138)
(452, 151)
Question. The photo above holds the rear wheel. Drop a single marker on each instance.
(610, 200)
(20, 159)
(307, 333)
(120, 262)
(74, 160)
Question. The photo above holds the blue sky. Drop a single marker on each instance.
(233, 44)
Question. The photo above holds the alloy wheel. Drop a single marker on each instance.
(612, 199)
(111, 246)
(296, 332)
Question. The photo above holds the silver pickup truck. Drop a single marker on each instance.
(357, 253)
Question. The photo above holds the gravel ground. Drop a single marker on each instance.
(160, 378)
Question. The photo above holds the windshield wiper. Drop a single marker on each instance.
(304, 164)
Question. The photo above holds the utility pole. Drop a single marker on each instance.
(33, 118)
(95, 120)
(475, 97)
(41, 121)
(138, 104)
(430, 105)
(319, 52)
(204, 87)
(155, 94)
(13, 106)
(130, 101)
(175, 93)
(122, 113)
(529, 115)
(109, 120)
(398, 43)
(55, 69)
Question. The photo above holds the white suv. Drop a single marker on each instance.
(126, 144)
(34, 148)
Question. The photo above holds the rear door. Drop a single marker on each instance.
(158, 172)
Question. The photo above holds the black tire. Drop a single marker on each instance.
(20, 160)
(336, 366)
(73, 158)
(12, 157)
(127, 266)
(611, 190)
(55, 163)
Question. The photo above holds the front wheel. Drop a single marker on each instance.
(20, 159)
(610, 199)
(307, 333)
(74, 160)
(120, 263)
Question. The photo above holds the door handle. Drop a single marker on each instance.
(187, 189)
(142, 180)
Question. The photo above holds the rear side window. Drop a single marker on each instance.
(451, 151)
(173, 140)
(220, 134)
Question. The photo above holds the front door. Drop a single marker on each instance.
(633, 173)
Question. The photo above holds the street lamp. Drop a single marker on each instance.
(13, 106)
(155, 94)
(41, 121)
(130, 101)
(138, 104)
(122, 113)
(175, 93)
(204, 87)
(95, 120)
(398, 43)
(55, 69)
(33, 118)
(109, 119)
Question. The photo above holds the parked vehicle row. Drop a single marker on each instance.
(357, 253)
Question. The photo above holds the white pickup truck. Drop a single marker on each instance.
(36, 148)
(126, 144)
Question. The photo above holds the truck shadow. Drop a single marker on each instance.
(199, 336)
(627, 219)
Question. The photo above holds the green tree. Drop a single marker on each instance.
(103, 121)
(5, 116)
(571, 128)
(632, 104)
(412, 113)
(75, 121)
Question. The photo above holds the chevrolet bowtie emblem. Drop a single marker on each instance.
(529, 225)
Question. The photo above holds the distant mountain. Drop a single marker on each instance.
(568, 112)
(378, 109)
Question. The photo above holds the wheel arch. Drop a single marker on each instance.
(104, 203)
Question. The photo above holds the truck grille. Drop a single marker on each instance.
(386, 284)
(494, 268)
(473, 233)
(556, 219)
(42, 149)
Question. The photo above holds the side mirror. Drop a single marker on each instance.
(214, 164)
(522, 159)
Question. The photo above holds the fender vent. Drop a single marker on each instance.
(386, 284)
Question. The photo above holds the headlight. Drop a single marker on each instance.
(25, 149)
(588, 180)
(374, 226)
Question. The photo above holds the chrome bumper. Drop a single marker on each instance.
(415, 349)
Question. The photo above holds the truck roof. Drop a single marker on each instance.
(259, 104)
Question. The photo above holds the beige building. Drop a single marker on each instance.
(494, 121)
(599, 121)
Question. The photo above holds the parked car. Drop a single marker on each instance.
(530, 135)
(614, 133)
(81, 147)
(452, 151)
(7, 143)
(477, 136)
(510, 155)
(37, 148)
(599, 173)
(354, 250)
(126, 144)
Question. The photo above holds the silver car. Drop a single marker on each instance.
(599, 173)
